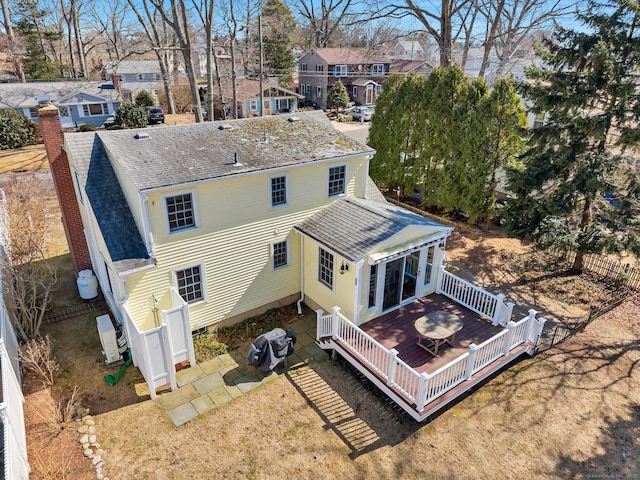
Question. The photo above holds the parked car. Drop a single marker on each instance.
(155, 115)
(361, 114)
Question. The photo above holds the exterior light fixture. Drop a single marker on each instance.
(344, 268)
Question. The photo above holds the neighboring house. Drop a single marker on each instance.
(277, 99)
(404, 49)
(132, 76)
(78, 102)
(361, 70)
(204, 225)
(405, 67)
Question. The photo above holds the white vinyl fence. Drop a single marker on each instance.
(14, 442)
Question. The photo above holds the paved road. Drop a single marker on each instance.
(355, 130)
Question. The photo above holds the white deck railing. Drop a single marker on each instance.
(422, 389)
(474, 298)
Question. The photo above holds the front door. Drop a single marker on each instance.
(368, 95)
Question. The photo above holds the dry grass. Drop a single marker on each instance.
(26, 159)
(571, 412)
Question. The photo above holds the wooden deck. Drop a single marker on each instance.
(396, 330)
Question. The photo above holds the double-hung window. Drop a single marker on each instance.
(337, 178)
(90, 109)
(180, 211)
(325, 268)
(341, 71)
(280, 254)
(303, 67)
(318, 92)
(190, 284)
(377, 69)
(278, 190)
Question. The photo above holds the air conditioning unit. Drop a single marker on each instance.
(108, 339)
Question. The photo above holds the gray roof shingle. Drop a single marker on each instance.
(23, 95)
(353, 227)
(183, 154)
(120, 233)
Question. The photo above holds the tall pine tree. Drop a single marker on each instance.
(576, 190)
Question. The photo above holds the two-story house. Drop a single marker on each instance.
(132, 76)
(200, 225)
(361, 70)
(196, 226)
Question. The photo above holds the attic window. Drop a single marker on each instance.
(225, 126)
(141, 135)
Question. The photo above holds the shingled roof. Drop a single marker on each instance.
(123, 240)
(354, 227)
(156, 158)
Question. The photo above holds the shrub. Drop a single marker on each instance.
(15, 130)
(144, 99)
(129, 115)
(87, 127)
(37, 356)
(207, 346)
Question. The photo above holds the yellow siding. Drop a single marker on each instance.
(237, 226)
(344, 289)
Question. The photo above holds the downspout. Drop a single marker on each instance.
(299, 302)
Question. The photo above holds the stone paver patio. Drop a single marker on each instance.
(219, 381)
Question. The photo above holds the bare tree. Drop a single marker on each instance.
(205, 10)
(14, 51)
(177, 19)
(161, 42)
(325, 17)
(29, 276)
(510, 22)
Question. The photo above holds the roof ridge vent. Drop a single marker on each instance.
(141, 135)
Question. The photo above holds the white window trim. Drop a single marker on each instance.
(165, 213)
(273, 266)
(355, 91)
(318, 91)
(253, 105)
(203, 280)
(346, 179)
(286, 190)
(377, 71)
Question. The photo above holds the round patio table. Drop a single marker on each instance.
(437, 328)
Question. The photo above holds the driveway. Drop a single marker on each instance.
(357, 131)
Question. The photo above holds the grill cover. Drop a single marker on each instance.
(271, 348)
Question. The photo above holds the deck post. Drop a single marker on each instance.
(319, 314)
(421, 401)
(508, 311)
(530, 324)
(497, 314)
(335, 322)
(439, 279)
(536, 330)
(391, 372)
(508, 338)
(471, 359)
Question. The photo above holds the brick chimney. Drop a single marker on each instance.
(51, 131)
(115, 79)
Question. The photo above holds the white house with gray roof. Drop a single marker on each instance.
(79, 103)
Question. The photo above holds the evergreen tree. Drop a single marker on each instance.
(144, 99)
(576, 190)
(129, 115)
(278, 24)
(15, 130)
(38, 63)
(337, 97)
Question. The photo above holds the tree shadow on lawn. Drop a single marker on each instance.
(356, 411)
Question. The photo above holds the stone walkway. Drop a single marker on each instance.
(217, 382)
